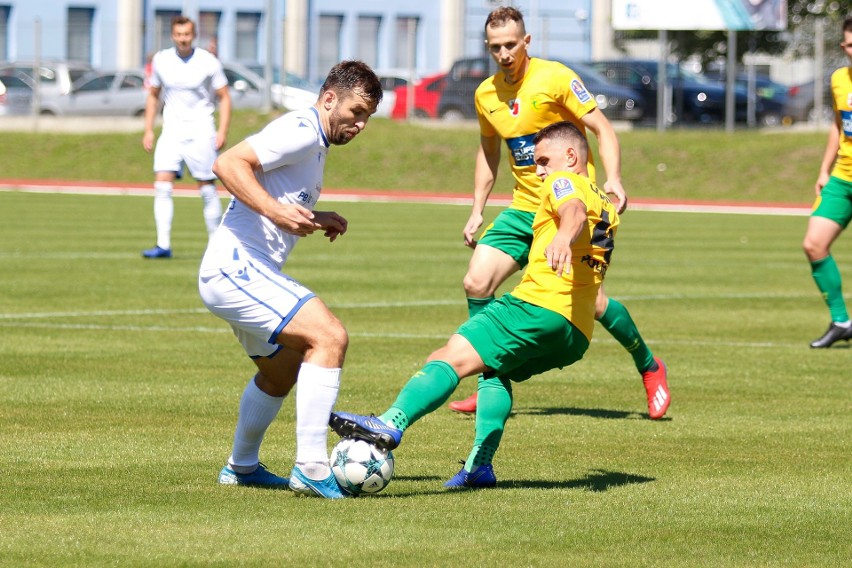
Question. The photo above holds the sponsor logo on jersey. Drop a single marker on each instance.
(522, 149)
(306, 198)
(846, 118)
(515, 107)
(580, 91)
(562, 187)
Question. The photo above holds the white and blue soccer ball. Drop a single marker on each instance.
(360, 466)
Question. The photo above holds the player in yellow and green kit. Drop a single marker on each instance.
(833, 207)
(523, 97)
(545, 322)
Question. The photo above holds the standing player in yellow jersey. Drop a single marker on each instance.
(545, 322)
(524, 96)
(833, 207)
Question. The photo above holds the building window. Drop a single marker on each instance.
(163, 28)
(329, 42)
(368, 39)
(406, 41)
(247, 42)
(79, 46)
(208, 31)
(4, 32)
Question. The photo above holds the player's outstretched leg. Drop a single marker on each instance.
(369, 428)
(495, 408)
(617, 321)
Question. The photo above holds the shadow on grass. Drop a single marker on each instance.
(589, 412)
(597, 480)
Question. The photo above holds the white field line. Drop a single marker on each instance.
(599, 338)
(411, 197)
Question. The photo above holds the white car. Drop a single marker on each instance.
(246, 84)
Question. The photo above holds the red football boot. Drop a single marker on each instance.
(657, 389)
(468, 405)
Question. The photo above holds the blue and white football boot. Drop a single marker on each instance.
(261, 477)
(327, 488)
(368, 428)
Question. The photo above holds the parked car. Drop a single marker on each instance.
(295, 93)
(100, 93)
(465, 75)
(615, 101)
(772, 95)
(55, 77)
(427, 95)
(391, 80)
(16, 96)
(801, 102)
(696, 99)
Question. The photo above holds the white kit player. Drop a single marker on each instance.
(190, 80)
(275, 178)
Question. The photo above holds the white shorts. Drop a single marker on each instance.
(196, 149)
(254, 299)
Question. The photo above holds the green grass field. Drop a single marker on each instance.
(119, 397)
(773, 165)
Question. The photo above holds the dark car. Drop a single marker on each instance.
(695, 98)
(771, 95)
(616, 102)
(464, 77)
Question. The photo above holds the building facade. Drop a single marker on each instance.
(305, 36)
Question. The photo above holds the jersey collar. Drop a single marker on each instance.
(319, 123)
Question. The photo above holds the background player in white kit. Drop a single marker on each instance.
(275, 177)
(190, 80)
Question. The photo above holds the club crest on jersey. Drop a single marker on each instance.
(562, 187)
(515, 107)
(580, 91)
(849, 100)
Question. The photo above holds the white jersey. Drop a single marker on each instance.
(188, 88)
(292, 150)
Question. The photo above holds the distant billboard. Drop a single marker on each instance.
(699, 14)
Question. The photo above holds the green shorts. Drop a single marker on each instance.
(519, 340)
(511, 232)
(835, 202)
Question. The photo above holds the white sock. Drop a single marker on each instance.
(164, 212)
(846, 323)
(212, 207)
(316, 393)
(257, 411)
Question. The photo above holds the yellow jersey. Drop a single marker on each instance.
(572, 294)
(841, 93)
(549, 92)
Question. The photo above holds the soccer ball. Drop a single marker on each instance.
(361, 467)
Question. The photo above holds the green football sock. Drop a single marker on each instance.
(828, 280)
(493, 408)
(476, 305)
(425, 392)
(616, 320)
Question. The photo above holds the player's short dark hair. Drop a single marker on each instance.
(847, 24)
(499, 17)
(566, 131)
(180, 20)
(349, 76)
